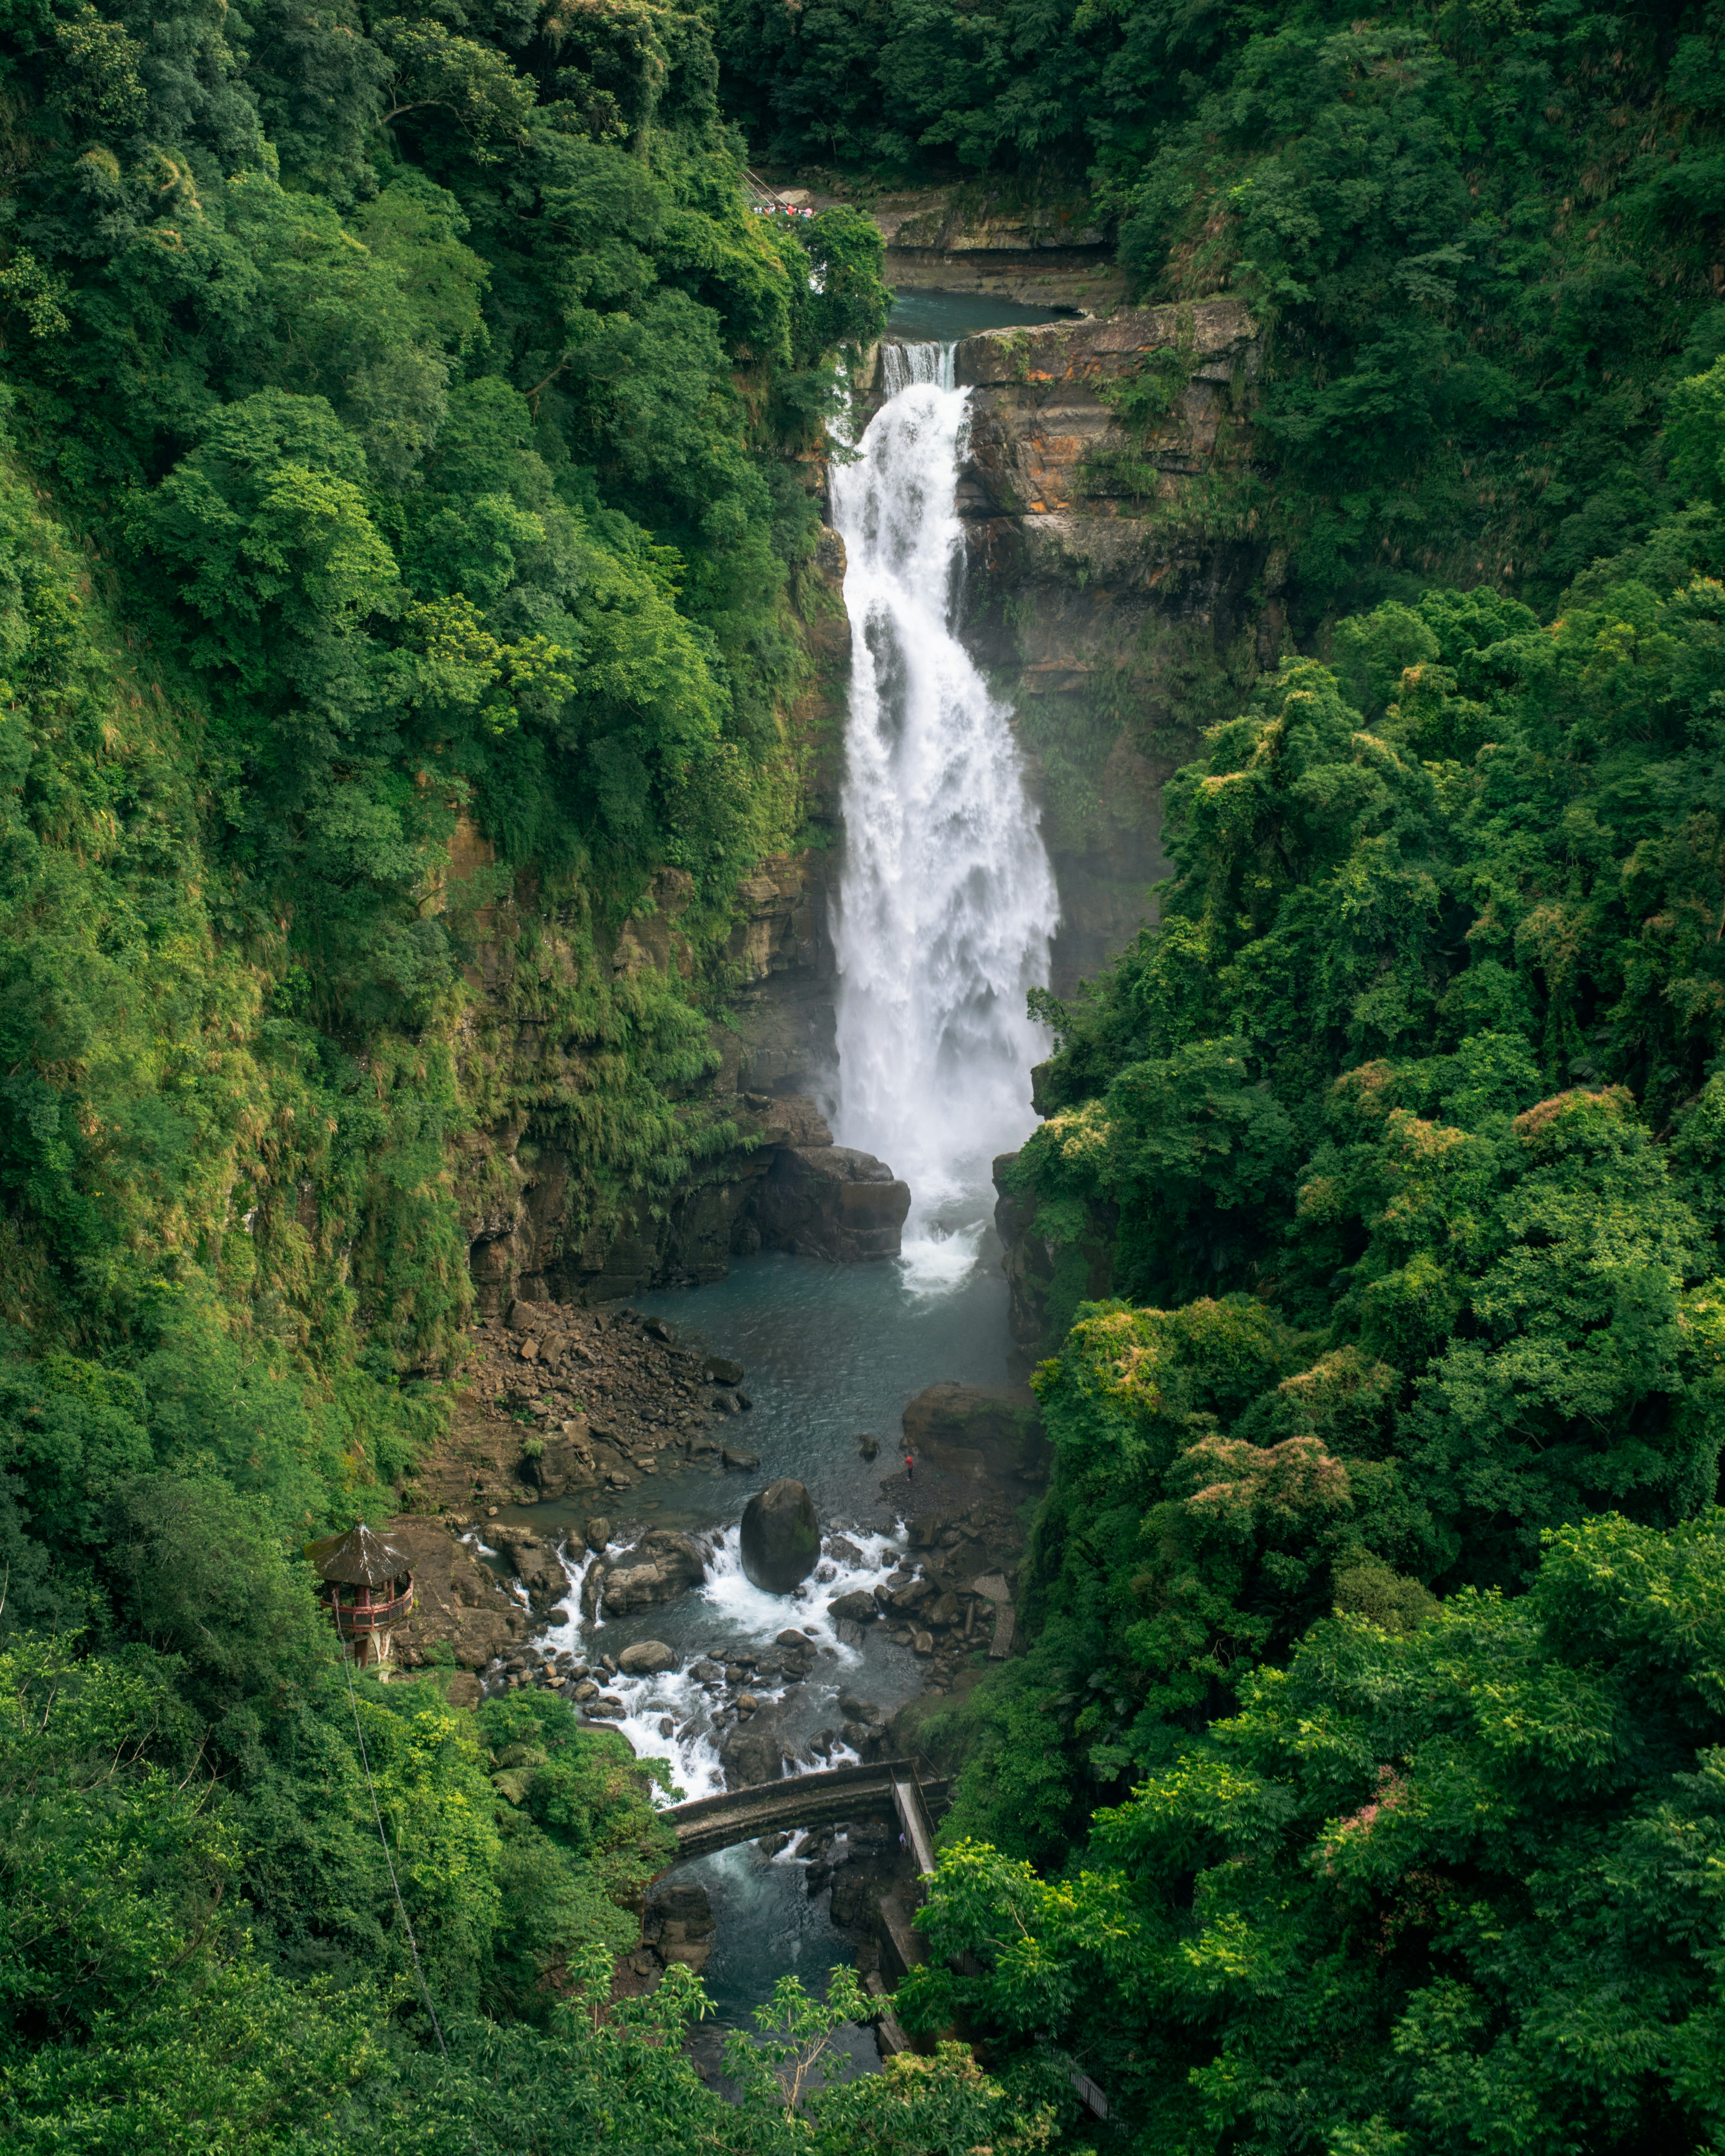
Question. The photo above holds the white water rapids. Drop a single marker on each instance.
(947, 902)
(676, 1715)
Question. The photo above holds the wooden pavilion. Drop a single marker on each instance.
(367, 1589)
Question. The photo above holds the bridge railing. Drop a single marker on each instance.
(707, 1824)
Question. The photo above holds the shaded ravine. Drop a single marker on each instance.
(948, 904)
(831, 1352)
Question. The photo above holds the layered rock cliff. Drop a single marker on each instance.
(1114, 622)
(1047, 250)
(986, 239)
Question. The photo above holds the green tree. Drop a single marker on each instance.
(1473, 1855)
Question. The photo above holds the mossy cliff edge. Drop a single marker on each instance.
(419, 630)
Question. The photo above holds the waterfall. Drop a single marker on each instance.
(947, 902)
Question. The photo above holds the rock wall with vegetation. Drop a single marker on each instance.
(413, 597)
(1347, 1794)
(995, 239)
(1114, 629)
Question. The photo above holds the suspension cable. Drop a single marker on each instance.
(384, 1842)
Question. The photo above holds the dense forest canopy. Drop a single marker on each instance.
(1485, 237)
(1354, 1791)
(404, 523)
(408, 524)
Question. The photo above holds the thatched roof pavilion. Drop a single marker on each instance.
(367, 1588)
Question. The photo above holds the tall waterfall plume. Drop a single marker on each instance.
(947, 902)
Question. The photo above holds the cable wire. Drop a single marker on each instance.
(384, 1842)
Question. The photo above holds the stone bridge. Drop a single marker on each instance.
(901, 1787)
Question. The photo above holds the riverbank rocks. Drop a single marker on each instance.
(678, 1924)
(659, 1567)
(753, 1752)
(781, 1537)
(859, 1607)
(536, 1563)
(833, 1202)
(461, 1605)
(646, 1658)
(981, 1433)
(557, 1401)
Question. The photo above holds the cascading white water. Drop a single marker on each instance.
(672, 1715)
(947, 901)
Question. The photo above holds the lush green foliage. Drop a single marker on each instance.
(1399, 1130)
(403, 542)
(1444, 1889)
(191, 1863)
(404, 534)
(428, 397)
(1481, 237)
(1403, 1121)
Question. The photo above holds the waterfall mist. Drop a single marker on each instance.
(947, 902)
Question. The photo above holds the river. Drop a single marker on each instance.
(946, 904)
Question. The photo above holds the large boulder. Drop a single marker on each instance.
(859, 1606)
(536, 1565)
(753, 1752)
(659, 1567)
(646, 1658)
(781, 1537)
(678, 1924)
(832, 1202)
(981, 1433)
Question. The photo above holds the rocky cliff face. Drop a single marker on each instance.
(1046, 1280)
(1042, 250)
(780, 1183)
(783, 1185)
(997, 239)
(1110, 621)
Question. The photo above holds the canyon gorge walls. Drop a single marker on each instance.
(1103, 610)
(1114, 626)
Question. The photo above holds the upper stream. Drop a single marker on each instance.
(947, 907)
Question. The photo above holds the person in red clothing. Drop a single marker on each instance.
(910, 1469)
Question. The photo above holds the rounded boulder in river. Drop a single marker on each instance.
(780, 1540)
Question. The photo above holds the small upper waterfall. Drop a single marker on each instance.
(947, 902)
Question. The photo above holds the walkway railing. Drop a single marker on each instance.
(711, 1823)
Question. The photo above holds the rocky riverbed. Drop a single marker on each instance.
(588, 1541)
(923, 1603)
(554, 1401)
